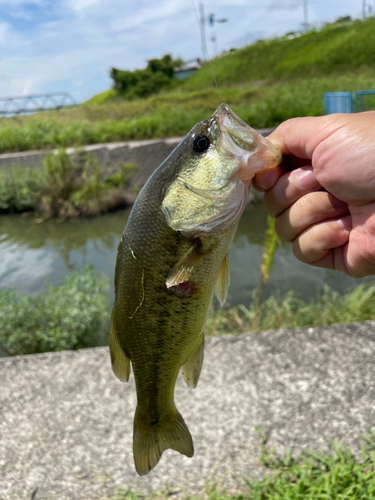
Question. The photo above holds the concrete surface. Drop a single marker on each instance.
(66, 421)
(146, 155)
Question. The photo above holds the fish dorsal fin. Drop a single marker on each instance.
(184, 268)
(193, 366)
(223, 281)
(120, 361)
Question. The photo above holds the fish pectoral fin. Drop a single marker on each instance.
(184, 268)
(149, 442)
(193, 366)
(223, 281)
(120, 361)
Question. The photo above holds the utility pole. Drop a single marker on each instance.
(364, 8)
(306, 15)
(211, 21)
(203, 31)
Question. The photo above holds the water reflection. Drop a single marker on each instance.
(30, 253)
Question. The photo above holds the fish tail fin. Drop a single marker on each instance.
(150, 441)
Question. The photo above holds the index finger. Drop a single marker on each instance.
(299, 137)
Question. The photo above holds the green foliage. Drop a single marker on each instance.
(61, 171)
(70, 316)
(67, 185)
(74, 186)
(165, 65)
(289, 311)
(121, 178)
(335, 475)
(157, 75)
(19, 189)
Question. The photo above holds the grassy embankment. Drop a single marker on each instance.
(265, 83)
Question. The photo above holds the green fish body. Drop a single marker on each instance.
(172, 256)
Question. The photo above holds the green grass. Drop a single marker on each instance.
(335, 475)
(335, 49)
(265, 83)
(106, 96)
(288, 311)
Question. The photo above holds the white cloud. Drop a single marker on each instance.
(284, 6)
(80, 7)
(155, 14)
(5, 29)
(71, 44)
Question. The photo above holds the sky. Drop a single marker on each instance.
(70, 45)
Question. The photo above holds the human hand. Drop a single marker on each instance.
(325, 203)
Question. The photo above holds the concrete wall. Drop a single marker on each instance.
(146, 155)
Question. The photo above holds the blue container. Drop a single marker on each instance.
(337, 102)
(363, 100)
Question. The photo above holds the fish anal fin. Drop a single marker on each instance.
(223, 281)
(191, 370)
(149, 442)
(120, 361)
(184, 268)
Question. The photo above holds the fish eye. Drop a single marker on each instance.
(201, 143)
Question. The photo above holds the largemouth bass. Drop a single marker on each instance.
(172, 256)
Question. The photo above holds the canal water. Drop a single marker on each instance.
(31, 254)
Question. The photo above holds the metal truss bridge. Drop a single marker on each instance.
(33, 103)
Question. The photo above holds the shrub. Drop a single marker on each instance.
(19, 189)
(66, 186)
(69, 316)
(74, 186)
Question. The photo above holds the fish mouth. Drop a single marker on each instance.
(254, 152)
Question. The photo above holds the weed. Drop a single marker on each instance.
(19, 189)
(335, 475)
(66, 186)
(288, 311)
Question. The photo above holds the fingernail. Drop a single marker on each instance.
(345, 222)
(306, 179)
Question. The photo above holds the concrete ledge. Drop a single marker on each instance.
(146, 155)
(66, 421)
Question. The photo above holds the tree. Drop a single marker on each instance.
(158, 74)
